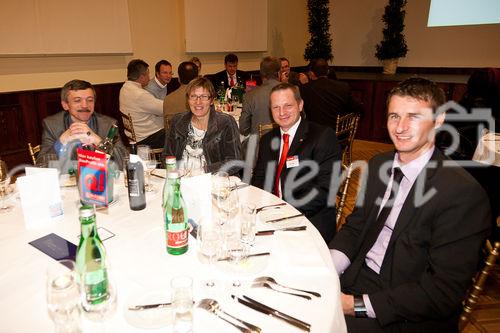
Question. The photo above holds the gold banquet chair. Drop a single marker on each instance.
(342, 193)
(129, 127)
(33, 152)
(264, 128)
(346, 130)
(477, 288)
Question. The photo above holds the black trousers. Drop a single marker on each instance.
(155, 140)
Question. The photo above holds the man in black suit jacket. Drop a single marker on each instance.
(324, 98)
(304, 179)
(405, 266)
(230, 74)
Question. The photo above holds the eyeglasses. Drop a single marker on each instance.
(203, 98)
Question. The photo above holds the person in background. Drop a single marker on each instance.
(78, 124)
(230, 76)
(285, 69)
(407, 253)
(145, 109)
(255, 109)
(292, 149)
(197, 62)
(324, 98)
(158, 85)
(203, 137)
(176, 102)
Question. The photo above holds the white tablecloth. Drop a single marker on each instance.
(141, 266)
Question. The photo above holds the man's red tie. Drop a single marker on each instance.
(231, 81)
(284, 153)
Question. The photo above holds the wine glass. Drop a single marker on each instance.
(6, 188)
(248, 223)
(195, 165)
(144, 152)
(63, 296)
(237, 251)
(220, 192)
(209, 247)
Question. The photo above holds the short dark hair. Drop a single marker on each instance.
(75, 85)
(136, 68)
(319, 67)
(285, 86)
(270, 67)
(200, 82)
(187, 71)
(420, 89)
(284, 59)
(230, 58)
(161, 62)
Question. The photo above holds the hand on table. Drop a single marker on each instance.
(82, 132)
(347, 304)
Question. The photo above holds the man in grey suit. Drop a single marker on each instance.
(78, 125)
(256, 102)
(157, 86)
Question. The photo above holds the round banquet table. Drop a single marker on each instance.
(142, 270)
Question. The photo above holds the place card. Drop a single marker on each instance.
(55, 247)
(196, 192)
(40, 197)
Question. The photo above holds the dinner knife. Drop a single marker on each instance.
(248, 256)
(284, 218)
(271, 232)
(257, 306)
(149, 306)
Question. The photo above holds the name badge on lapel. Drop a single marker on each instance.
(292, 161)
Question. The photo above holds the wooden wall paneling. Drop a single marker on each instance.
(362, 92)
(12, 130)
(457, 91)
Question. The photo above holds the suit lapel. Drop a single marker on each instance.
(299, 138)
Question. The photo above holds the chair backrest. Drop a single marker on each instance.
(342, 193)
(33, 152)
(264, 128)
(479, 281)
(157, 154)
(346, 130)
(129, 127)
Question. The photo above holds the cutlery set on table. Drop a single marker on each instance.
(213, 306)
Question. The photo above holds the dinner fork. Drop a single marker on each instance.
(269, 286)
(270, 280)
(212, 305)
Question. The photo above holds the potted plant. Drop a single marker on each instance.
(393, 45)
(320, 43)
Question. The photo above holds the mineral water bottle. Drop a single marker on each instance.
(170, 165)
(91, 259)
(135, 178)
(176, 219)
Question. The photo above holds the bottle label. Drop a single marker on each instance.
(177, 239)
(133, 187)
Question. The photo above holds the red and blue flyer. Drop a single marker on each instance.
(93, 177)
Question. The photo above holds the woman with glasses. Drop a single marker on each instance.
(201, 135)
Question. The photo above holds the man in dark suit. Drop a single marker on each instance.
(407, 253)
(230, 76)
(324, 98)
(78, 124)
(295, 161)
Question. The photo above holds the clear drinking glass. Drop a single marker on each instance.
(238, 251)
(248, 223)
(209, 247)
(63, 296)
(220, 193)
(144, 152)
(182, 303)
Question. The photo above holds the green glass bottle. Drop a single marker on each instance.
(91, 259)
(170, 165)
(176, 220)
(107, 144)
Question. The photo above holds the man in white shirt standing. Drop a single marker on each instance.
(407, 253)
(158, 85)
(146, 110)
